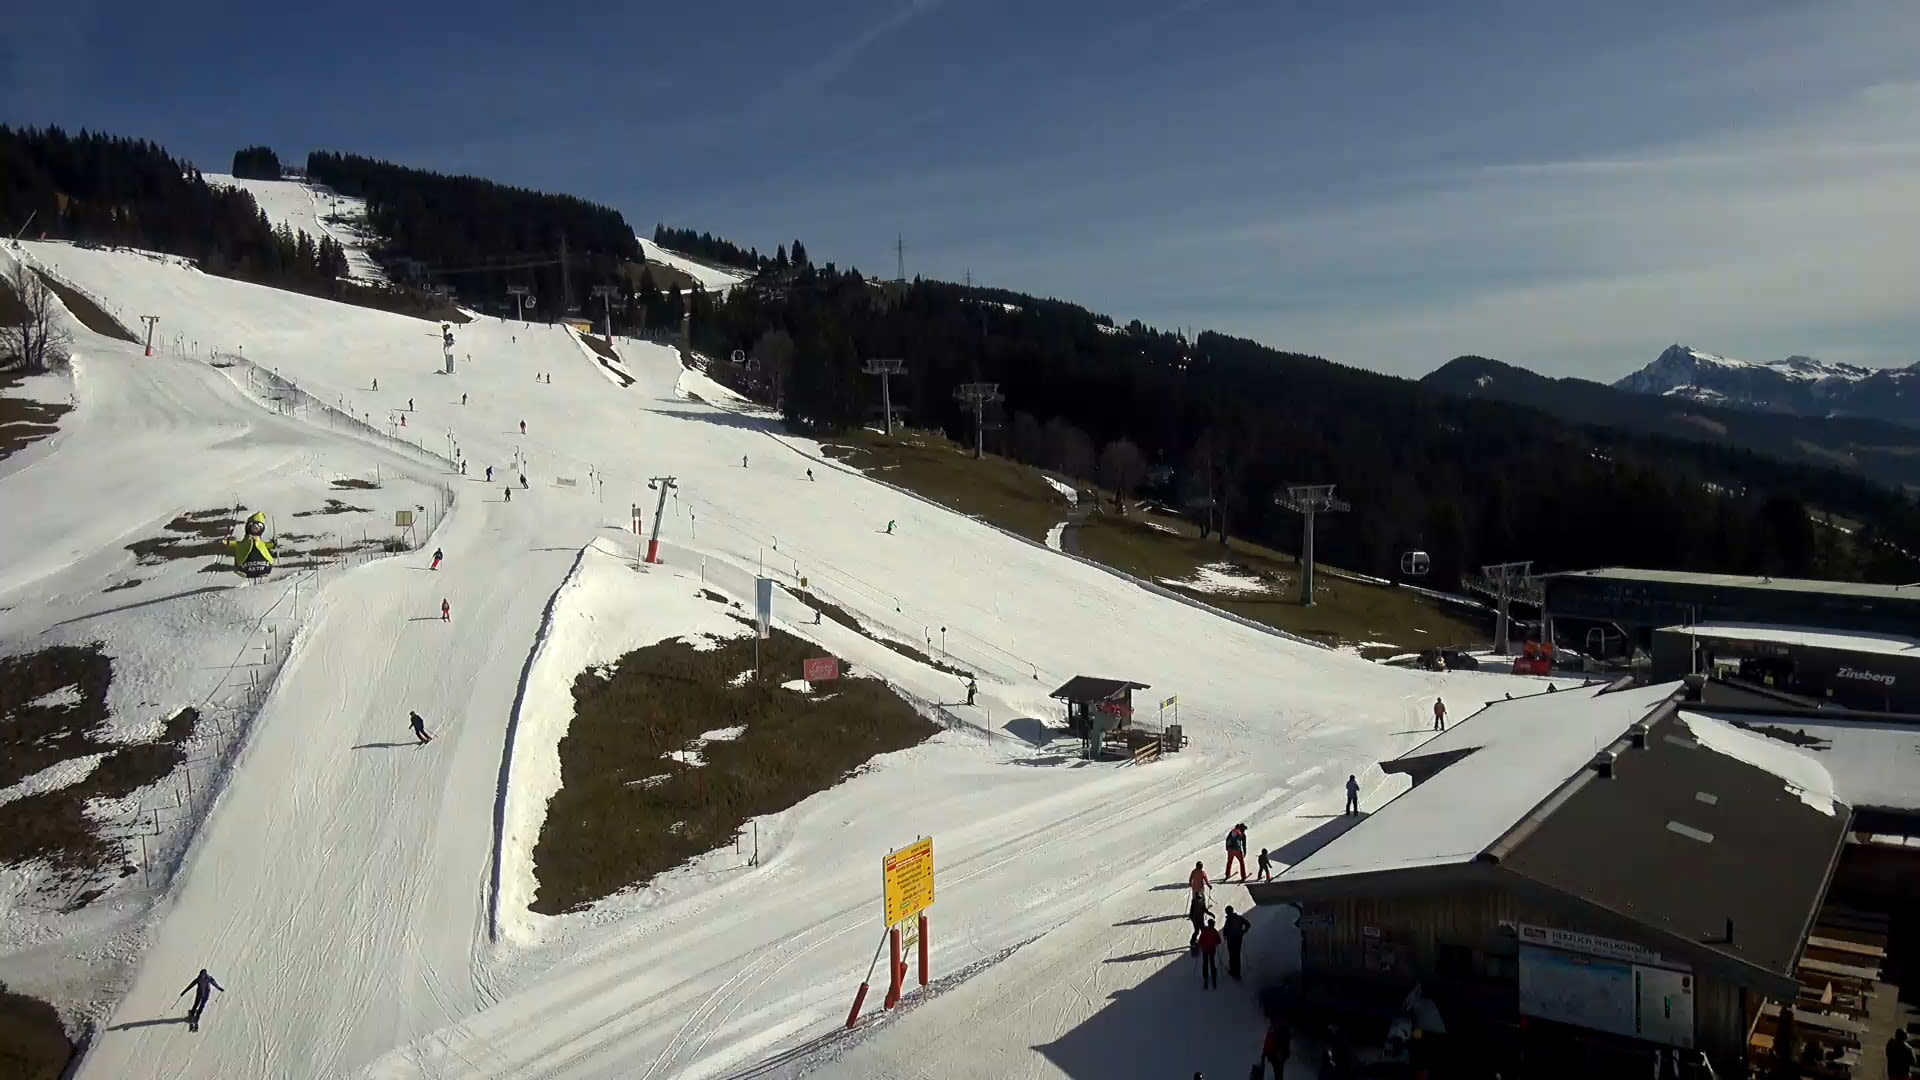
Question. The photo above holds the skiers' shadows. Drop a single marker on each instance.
(425, 618)
(1041, 762)
(1147, 920)
(723, 418)
(161, 1022)
(1314, 839)
(1030, 730)
(386, 745)
(1134, 958)
(144, 603)
(1415, 731)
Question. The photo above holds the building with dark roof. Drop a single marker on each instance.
(1852, 669)
(1602, 862)
(1639, 601)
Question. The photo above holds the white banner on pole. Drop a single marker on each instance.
(763, 606)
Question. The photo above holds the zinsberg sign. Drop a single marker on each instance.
(1866, 676)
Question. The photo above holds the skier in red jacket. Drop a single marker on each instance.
(446, 611)
(1209, 944)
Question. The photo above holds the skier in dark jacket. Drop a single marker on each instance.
(419, 728)
(1353, 795)
(1197, 912)
(202, 987)
(1234, 930)
(437, 556)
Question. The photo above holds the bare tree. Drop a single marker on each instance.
(1122, 468)
(33, 338)
(1069, 449)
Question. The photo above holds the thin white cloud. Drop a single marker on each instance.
(837, 60)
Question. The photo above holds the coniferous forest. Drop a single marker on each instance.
(1224, 424)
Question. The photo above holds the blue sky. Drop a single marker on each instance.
(1568, 187)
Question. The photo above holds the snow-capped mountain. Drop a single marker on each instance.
(1799, 385)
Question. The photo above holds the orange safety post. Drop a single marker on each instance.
(859, 999)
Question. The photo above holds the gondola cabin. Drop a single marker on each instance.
(1415, 564)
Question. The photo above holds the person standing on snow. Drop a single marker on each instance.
(1209, 942)
(419, 729)
(1236, 850)
(509, 490)
(1277, 1047)
(973, 687)
(489, 474)
(743, 461)
(446, 610)
(1266, 866)
(202, 986)
(523, 427)
(890, 528)
(523, 480)
(1439, 715)
(1353, 795)
(1234, 931)
(1197, 881)
(463, 399)
(376, 384)
(809, 475)
(1197, 914)
(437, 556)
(409, 404)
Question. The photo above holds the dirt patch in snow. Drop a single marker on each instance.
(33, 1044)
(729, 752)
(23, 420)
(53, 706)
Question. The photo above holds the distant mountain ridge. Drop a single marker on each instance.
(1799, 385)
(1885, 452)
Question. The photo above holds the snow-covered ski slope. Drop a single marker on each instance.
(711, 278)
(307, 207)
(341, 887)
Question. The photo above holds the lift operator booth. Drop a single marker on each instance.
(1098, 708)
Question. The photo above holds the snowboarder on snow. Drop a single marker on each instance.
(1209, 941)
(973, 687)
(890, 528)
(437, 556)
(446, 611)
(1236, 851)
(523, 427)
(1353, 795)
(1266, 866)
(1234, 931)
(1439, 715)
(489, 474)
(202, 986)
(419, 728)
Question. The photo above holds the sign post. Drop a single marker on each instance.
(820, 669)
(906, 878)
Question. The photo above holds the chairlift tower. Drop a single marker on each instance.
(977, 396)
(1505, 583)
(1308, 500)
(886, 368)
(606, 295)
(520, 300)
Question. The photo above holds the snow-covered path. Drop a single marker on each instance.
(377, 851)
(339, 889)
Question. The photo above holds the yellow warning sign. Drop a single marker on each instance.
(908, 878)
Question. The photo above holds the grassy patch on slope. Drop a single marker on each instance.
(53, 706)
(33, 1044)
(22, 420)
(625, 811)
(1017, 498)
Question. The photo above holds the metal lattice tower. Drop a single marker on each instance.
(977, 396)
(1505, 583)
(886, 368)
(519, 294)
(1308, 500)
(606, 295)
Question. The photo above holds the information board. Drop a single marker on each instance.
(820, 669)
(907, 878)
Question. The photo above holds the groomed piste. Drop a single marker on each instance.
(363, 900)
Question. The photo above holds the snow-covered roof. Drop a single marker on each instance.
(1740, 581)
(1870, 763)
(1851, 641)
(1805, 778)
(1517, 753)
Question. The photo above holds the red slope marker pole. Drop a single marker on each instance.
(923, 949)
(896, 971)
(853, 1016)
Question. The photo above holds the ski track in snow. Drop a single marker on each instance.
(343, 887)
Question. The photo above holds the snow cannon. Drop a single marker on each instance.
(253, 551)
